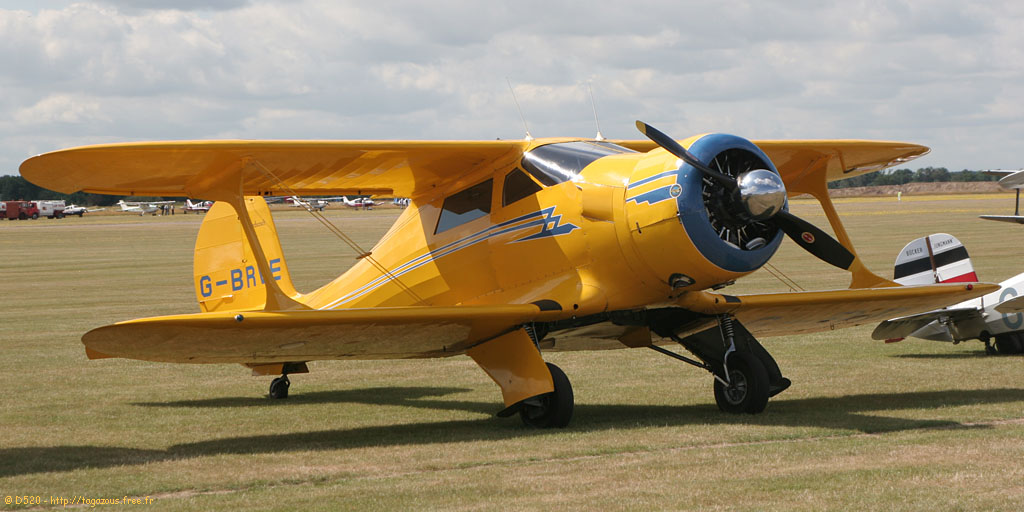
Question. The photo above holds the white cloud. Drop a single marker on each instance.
(942, 73)
(61, 109)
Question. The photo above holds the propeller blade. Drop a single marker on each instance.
(813, 240)
(669, 144)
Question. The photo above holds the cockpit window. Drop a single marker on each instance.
(517, 186)
(462, 207)
(557, 163)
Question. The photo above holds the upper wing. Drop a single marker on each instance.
(777, 314)
(184, 169)
(401, 168)
(267, 337)
(797, 160)
(905, 326)
(1009, 180)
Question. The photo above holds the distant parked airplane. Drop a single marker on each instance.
(360, 202)
(941, 258)
(198, 206)
(142, 207)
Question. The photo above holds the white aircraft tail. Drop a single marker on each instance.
(937, 258)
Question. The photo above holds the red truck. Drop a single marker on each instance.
(18, 210)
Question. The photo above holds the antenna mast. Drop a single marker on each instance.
(521, 116)
(594, 105)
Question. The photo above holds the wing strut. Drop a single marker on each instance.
(862, 277)
(227, 186)
(341, 235)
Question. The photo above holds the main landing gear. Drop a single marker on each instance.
(1009, 343)
(745, 374)
(550, 410)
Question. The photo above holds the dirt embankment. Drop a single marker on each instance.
(921, 189)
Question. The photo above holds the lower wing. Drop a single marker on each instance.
(778, 314)
(907, 325)
(266, 336)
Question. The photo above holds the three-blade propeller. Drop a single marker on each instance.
(805, 234)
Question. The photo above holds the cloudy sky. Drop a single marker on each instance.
(947, 74)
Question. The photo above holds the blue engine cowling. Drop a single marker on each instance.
(736, 155)
(683, 223)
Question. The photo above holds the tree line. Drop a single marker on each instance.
(16, 187)
(902, 176)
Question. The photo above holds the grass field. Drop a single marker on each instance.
(866, 426)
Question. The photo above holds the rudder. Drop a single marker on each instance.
(937, 258)
(225, 273)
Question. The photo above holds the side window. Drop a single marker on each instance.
(517, 186)
(462, 207)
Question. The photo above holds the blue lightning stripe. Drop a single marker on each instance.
(546, 217)
(653, 197)
(652, 178)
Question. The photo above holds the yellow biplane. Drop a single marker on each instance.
(508, 249)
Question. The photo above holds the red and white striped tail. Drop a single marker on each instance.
(938, 258)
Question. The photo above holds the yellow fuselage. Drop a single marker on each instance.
(610, 238)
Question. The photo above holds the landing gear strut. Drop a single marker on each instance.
(745, 374)
(279, 387)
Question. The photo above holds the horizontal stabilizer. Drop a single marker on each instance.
(1009, 307)
(265, 337)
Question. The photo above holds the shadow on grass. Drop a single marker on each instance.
(387, 395)
(975, 354)
(846, 412)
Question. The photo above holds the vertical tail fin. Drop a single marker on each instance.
(225, 272)
(937, 258)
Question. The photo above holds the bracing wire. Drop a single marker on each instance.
(781, 276)
(336, 231)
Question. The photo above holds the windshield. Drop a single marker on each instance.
(557, 163)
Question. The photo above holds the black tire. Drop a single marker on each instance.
(35, 216)
(550, 410)
(1007, 344)
(1016, 342)
(279, 387)
(748, 391)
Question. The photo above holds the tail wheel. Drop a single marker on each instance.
(550, 410)
(279, 387)
(748, 388)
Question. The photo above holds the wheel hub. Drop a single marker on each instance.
(736, 391)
